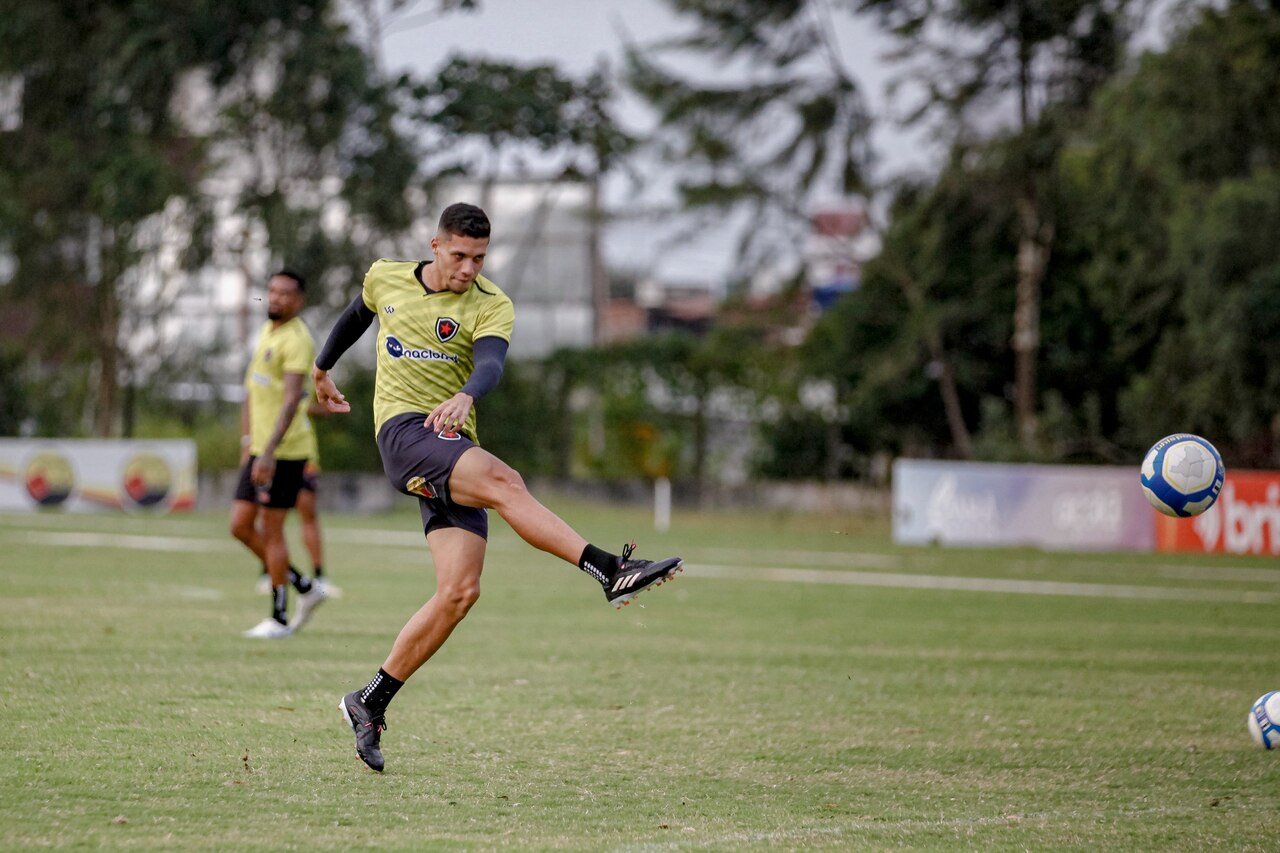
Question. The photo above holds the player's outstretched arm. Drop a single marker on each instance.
(350, 326)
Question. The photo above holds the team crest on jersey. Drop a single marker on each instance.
(419, 486)
(266, 356)
(446, 328)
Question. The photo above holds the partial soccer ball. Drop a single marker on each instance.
(1182, 475)
(1264, 720)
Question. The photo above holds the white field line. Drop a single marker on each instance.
(963, 584)
(130, 542)
(898, 580)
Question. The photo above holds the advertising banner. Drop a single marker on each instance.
(1057, 507)
(87, 475)
(1245, 519)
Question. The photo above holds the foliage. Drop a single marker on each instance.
(791, 129)
(511, 108)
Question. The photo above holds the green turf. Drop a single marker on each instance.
(721, 714)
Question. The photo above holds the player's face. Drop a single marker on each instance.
(284, 299)
(459, 258)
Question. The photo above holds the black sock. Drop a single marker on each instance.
(279, 598)
(378, 694)
(601, 565)
(301, 584)
(317, 571)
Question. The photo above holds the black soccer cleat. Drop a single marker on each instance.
(635, 576)
(367, 727)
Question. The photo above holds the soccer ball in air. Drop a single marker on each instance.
(1182, 475)
(1264, 720)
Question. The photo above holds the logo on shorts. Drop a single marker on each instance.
(448, 435)
(446, 328)
(419, 486)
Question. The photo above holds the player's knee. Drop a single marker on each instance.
(506, 485)
(241, 529)
(459, 597)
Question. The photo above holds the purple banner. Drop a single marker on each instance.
(1058, 507)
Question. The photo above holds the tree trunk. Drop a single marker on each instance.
(107, 335)
(960, 436)
(1035, 240)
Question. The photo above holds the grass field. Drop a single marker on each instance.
(806, 684)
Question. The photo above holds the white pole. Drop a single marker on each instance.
(662, 504)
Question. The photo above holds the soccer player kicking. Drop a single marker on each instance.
(443, 333)
(276, 442)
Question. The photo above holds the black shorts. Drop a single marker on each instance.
(418, 462)
(282, 493)
(310, 477)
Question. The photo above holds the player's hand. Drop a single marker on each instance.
(452, 414)
(327, 393)
(264, 469)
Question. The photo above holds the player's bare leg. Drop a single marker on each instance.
(310, 526)
(244, 519)
(483, 480)
(459, 558)
(276, 553)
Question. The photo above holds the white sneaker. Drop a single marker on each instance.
(264, 585)
(330, 590)
(307, 603)
(268, 629)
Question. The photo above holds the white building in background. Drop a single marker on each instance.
(544, 254)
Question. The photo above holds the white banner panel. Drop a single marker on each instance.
(89, 475)
(1058, 507)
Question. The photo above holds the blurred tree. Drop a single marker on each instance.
(126, 108)
(970, 58)
(1173, 189)
(786, 126)
(513, 109)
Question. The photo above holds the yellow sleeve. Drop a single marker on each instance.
(300, 353)
(368, 291)
(497, 322)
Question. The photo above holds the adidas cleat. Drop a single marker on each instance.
(635, 576)
(367, 727)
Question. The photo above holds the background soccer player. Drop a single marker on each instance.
(443, 332)
(276, 441)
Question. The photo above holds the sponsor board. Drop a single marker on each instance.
(1056, 507)
(85, 475)
(1245, 519)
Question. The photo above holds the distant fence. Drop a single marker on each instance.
(87, 475)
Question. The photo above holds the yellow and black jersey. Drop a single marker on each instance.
(426, 338)
(288, 348)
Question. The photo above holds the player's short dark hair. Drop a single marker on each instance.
(464, 220)
(297, 279)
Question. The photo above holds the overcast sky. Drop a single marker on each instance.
(576, 35)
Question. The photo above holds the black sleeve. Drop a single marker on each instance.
(350, 326)
(490, 353)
